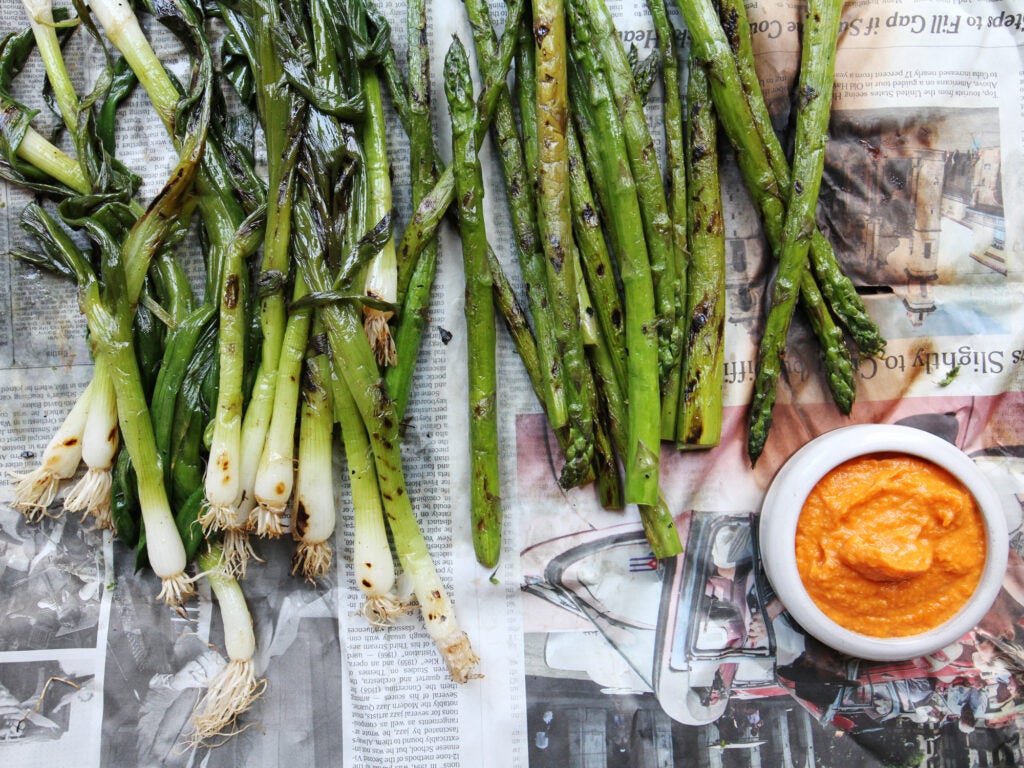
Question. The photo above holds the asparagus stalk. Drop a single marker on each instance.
(711, 47)
(658, 523)
(414, 291)
(836, 287)
(432, 208)
(596, 261)
(606, 468)
(814, 102)
(526, 94)
(518, 326)
(554, 221)
(521, 195)
(408, 332)
(642, 158)
(700, 407)
(601, 134)
(675, 193)
(485, 488)
(314, 517)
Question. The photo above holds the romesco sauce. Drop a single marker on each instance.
(890, 545)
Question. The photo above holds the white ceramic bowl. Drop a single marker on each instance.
(785, 499)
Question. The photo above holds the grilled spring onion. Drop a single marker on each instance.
(382, 273)
(373, 563)
(313, 515)
(91, 494)
(109, 310)
(358, 369)
(109, 318)
(41, 153)
(371, 554)
(281, 117)
(221, 214)
(275, 474)
(485, 487)
(236, 687)
(223, 475)
(35, 491)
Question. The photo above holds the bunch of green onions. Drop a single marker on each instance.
(269, 355)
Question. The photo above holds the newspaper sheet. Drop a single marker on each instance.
(593, 654)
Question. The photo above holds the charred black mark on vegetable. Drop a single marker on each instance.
(301, 519)
(231, 292)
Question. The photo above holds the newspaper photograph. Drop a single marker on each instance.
(587, 647)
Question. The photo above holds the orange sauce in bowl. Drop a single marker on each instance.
(890, 545)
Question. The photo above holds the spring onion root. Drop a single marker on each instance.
(236, 687)
(34, 492)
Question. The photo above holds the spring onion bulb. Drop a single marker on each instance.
(382, 273)
(235, 521)
(35, 491)
(314, 516)
(435, 606)
(236, 687)
(275, 474)
(371, 553)
(164, 547)
(91, 494)
(222, 481)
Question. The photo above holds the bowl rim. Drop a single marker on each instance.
(784, 501)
